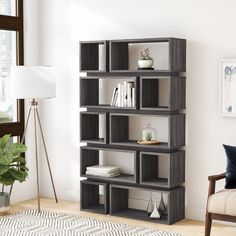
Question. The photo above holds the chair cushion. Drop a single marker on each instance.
(223, 202)
(231, 166)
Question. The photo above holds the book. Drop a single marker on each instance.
(133, 97)
(103, 168)
(115, 99)
(113, 96)
(102, 174)
(125, 94)
(130, 85)
(119, 96)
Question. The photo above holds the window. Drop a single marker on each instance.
(11, 53)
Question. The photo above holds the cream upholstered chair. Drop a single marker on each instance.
(220, 205)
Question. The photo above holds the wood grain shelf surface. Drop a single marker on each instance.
(122, 178)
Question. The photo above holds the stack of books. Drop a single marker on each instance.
(123, 95)
(103, 171)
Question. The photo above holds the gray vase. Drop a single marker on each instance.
(4, 202)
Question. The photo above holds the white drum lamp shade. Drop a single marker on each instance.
(33, 82)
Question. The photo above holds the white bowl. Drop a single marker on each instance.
(145, 63)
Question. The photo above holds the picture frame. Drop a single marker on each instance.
(227, 87)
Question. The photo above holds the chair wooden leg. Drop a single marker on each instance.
(208, 223)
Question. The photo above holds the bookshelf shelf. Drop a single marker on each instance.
(120, 126)
(119, 203)
(91, 98)
(93, 56)
(91, 156)
(112, 132)
(90, 197)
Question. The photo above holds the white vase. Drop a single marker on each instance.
(155, 214)
(145, 63)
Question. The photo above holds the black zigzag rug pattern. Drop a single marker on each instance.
(32, 223)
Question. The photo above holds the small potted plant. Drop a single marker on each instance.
(144, 59)
(12, 167)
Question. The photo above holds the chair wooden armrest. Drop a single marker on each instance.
(216, 177)
(212, 182)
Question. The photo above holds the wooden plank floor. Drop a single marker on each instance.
(185, 227)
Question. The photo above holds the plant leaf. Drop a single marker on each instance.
(4, 140)
(20, 160)
(3, 169)
(18, 174)
(6, 159)
(17, 149)
(7, 179)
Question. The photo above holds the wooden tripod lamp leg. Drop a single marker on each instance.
(36, 155)
(46, 153)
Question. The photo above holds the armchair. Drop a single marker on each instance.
(220, 205)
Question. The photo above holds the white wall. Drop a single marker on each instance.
(27, 190)
(208, 27)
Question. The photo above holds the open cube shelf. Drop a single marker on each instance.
(93, 127)
(94, 156)
(112, 129)
(90, 96)
(119, 204)
(91, 199)
(169, 54)
(162, 93)
(94, 56)
(162, 169)
(173, 125)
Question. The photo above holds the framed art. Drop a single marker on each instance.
(228, 87)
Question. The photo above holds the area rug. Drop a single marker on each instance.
(30, 222)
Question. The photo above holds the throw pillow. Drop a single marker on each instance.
(231, 166)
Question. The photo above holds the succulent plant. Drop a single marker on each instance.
(144, 54)
(149, 136)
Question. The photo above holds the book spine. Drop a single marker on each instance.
(119, 96)
(125, 94)
(133, 97)
(113, 96)
(129, 95)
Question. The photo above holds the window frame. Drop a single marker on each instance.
(15, 23)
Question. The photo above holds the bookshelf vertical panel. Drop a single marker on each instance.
(119, 131)
(177, 55)
(118, 199)
(119, 56)
(89, 92)
(89, 157)
(177, 93)
(176, 209)
(177, 168)
(177, 130)
(90, 127)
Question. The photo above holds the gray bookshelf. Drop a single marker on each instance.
(113, 64)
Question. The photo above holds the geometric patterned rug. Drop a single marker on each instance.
(32, 223)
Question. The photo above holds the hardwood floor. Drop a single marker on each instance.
(186, 227)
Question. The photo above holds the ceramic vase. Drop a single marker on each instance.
(145, 63)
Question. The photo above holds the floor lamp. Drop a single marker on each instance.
(35, 83)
